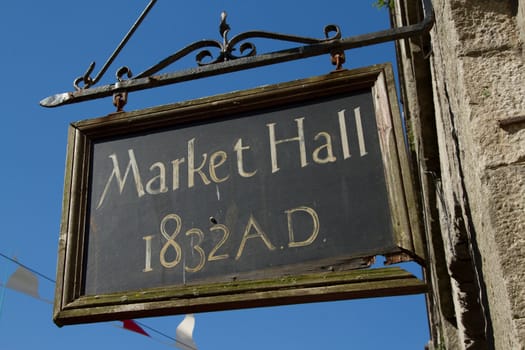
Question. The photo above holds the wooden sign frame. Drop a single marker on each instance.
(328, 280)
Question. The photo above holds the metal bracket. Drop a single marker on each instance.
(86, 78)
(226, 61)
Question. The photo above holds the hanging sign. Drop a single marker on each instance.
(260, 197)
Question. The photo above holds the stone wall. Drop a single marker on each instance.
(521, 19)
(464, 95)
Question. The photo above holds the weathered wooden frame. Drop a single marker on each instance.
(72, 307)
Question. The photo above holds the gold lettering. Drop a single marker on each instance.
(240, 164)
(121, 181)
(222, 156)
(191, 165)
(198, 249)
(360, 134)
(147, 261)
(175, 165)
(161, 177)
(344, 134)
(327, 146)
(225, 235)
(315, 231)
(274, 143)
(170, 241)
(258, 233)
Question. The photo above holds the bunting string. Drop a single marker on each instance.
(27, 268)
(155, 331)
(22, 281)
(2, 292)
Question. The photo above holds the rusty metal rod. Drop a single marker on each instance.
(86, 79)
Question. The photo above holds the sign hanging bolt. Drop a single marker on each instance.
(119, 100)
(338, 59)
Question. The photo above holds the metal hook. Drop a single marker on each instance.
(120, 99)
(121, 72)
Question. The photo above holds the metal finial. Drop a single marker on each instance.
(224, 28)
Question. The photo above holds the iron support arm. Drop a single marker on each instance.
(226, 63)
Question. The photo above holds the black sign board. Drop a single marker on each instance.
(226, 202)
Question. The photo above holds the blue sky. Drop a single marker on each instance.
(45, 45)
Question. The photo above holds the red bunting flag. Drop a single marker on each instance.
(131, 325)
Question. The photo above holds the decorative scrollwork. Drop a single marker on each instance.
(227, 47)
(205, 57)
(85, 79)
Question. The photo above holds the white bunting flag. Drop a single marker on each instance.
(24, 281)
(184, 334)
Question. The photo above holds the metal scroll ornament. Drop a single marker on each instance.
(205, 57)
